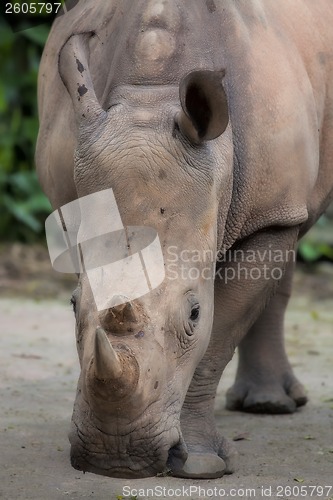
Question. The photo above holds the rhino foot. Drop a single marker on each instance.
(202, 466)
(283, 396)
(208, 457)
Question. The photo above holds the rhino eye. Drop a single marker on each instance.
(195, 313)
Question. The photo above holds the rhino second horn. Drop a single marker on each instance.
(125, 312)
(106, 361)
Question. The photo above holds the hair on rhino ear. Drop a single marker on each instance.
(204, 114)
(75, 73)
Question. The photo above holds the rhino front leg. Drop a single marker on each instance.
(238, 303)
(265, 382)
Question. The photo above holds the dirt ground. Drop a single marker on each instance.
(279, 456)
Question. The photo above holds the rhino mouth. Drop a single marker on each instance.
(148, 458)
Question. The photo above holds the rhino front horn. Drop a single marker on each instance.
(106, 361)
(114, 370)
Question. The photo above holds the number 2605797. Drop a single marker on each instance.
(32, 8)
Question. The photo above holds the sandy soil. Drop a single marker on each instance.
(38, 373)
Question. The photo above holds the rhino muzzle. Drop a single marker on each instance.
(128, 455)
(112, 434)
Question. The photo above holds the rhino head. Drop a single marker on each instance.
(153, 145)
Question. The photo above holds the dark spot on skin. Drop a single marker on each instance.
(322, 58)
(162, 174)
(83, 115)
(139, 335)
(130, 330)
(156, 385)
(162, 210)
(80, 66)
(82, 89)
(211, 6)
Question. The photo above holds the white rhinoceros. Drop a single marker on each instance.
(212, 122)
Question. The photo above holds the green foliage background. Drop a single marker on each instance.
(23, 206)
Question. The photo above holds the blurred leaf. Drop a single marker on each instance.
(37, 34)
(22, 181)
(21, 213)
(308, 251)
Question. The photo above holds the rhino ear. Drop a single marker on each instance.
(75, 73)
(204, 114)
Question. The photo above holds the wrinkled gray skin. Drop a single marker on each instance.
(241, 161)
